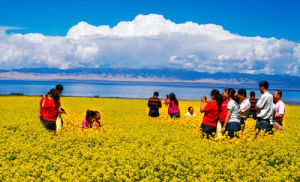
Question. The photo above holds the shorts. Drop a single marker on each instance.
(277, 125)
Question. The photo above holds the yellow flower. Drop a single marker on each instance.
(134, 147)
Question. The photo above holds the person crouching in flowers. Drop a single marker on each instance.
(233, 116)
(173, 109)
(211, 113)
(97, 123)
(89, 118)
(190, 112)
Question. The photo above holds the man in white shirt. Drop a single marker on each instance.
(190, 112)
(244, 106)
(265, 108)
(279, 110)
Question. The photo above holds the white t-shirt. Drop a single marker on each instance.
(265, 106)
(279, 109)
(235, 111)
(189, 114)
(245, 107)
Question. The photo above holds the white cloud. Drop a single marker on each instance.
(151, 41)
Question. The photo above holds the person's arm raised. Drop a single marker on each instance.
(202, 106)
(43, 103)
(166, 100)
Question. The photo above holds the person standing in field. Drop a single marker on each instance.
(233, 117)
(51, 105)
(223, 110)
(190, 111)
(173, 103)
(265, 108)
(58, 90)
(253, 102)
(211, 113)
(279, 110)
(244, 105)
(154, 104)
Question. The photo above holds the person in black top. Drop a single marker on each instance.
(253, 102)
(154, 104)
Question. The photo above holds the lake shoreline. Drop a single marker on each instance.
(125, 98)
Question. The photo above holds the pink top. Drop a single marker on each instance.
(86, 124)
(173, 108)
(279, 109)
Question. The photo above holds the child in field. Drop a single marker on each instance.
(190, 111)
(88, 121)
(97, 123)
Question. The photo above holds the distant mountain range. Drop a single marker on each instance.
(166, 75)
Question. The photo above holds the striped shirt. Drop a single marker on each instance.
(154, 103)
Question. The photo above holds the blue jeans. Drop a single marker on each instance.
(263, 124)
(233, 127)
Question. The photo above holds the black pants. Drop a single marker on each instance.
(263, 124)
(153, 112)
(208, 131)
(243, 123)
(50, 125)
(253, 114)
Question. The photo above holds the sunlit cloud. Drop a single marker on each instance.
(150, 41)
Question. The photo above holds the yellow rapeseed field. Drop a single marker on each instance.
(132, 146)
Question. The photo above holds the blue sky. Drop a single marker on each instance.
(266, 18)
(205, 36)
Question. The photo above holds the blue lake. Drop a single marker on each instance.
(123, 89)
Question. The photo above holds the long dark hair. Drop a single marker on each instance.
(173, 98)
(90, 113)
(232, 95)
(54, 95)
(218, 97)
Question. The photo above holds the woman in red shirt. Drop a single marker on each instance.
(51, 106)
(223, 111)
(211, 113)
